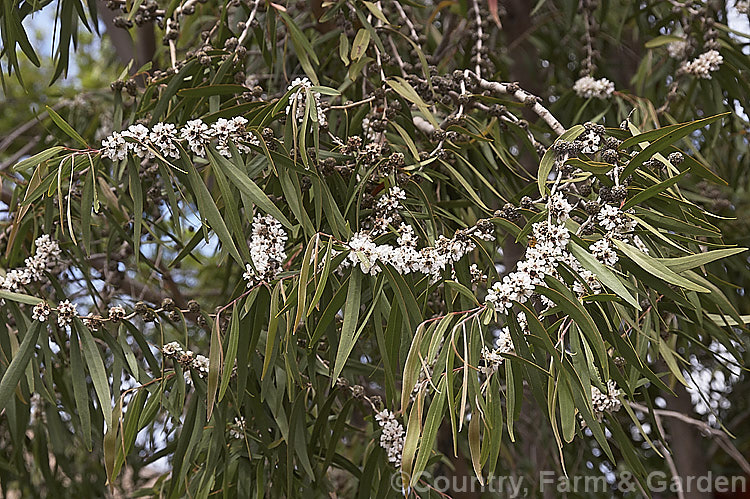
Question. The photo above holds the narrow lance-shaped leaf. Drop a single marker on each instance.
(349, 327)
(18, 364)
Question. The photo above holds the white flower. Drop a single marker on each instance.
(364, 252)
(266, 250)
(742, 6)
(638, 242)
(66, 312)
(233, 131)
(200, 364)
(476, 273)
(197, 135)
(703, 65)
(115, 147)
(164, 137)
(140, 135)
(392, 436)
(44, 258)
(606, 402)
(523, 322)
(172, 349)
(589, 87)
(609, 217)
(493, 358)
(602, 251)
(237, 430)
(391, 200)
(559, 207)
(300, 97)
(591, 281)
(40, 312)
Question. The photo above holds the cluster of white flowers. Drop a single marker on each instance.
(559, 208)
(677, 49)
(493, 358)
(44, 258)
(603, 251)
(66, 312)
(392, 436)
(41, 312)
(703, 65)
(266, 250)
(186, 358)
(406, 258)
(617, 226)
(237, 429)
(298, 100)
(163, 139)
(386, 208)
(606, 402)
(546, 249)
(588, 87)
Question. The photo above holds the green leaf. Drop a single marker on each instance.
(669, 136)
(344, 48)
(349, 327)
(69, 131)
(231, 355)
(662, 40)
(605, 276)
(359, 46)
(215, 355)
(80, 391)
(567, 408)
(208, 90)
(656, 268)
(406, 91)
(652, 191)
(99, 376)
(432, 423)
(688, 262)
(728, 321)
(18, 364)
(563, 297)
(37, 159)
(245, 185)
(19, 297)
(208, 209)
(475, 445)
(411, 440)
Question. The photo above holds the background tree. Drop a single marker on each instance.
(331, 247)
